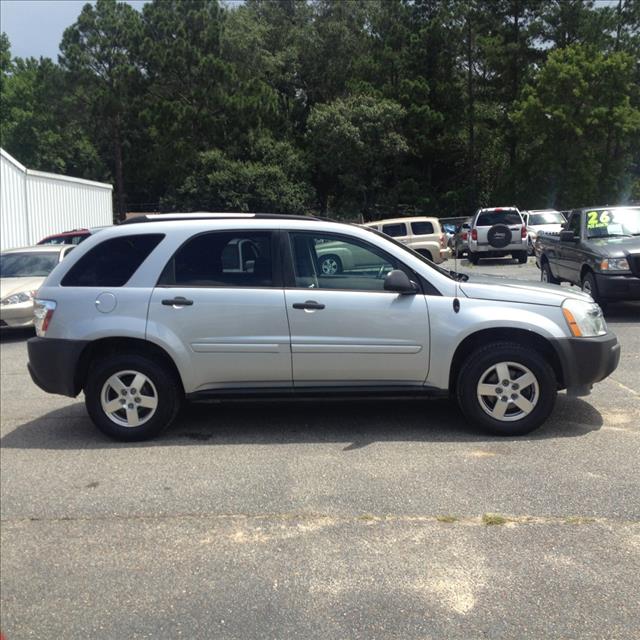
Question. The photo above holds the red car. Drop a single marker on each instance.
(70, 237)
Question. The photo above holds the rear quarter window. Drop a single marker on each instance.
(112, 262)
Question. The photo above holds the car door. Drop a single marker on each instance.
(570, 252)
(226, 313)
(346, 330)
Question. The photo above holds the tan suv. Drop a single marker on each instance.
(423, 235)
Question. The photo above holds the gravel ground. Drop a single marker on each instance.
(345, 519)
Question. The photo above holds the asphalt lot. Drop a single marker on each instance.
(347, 519)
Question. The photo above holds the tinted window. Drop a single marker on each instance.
(112, 262)
(335, 262)
(28, 264)
(222, 259)
(395, 230)
(574, 223)
(422, 228)
(489, 218)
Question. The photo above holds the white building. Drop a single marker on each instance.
(34, 204)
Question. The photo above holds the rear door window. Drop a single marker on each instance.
(112, 262)
(395, 230)
(222, 259)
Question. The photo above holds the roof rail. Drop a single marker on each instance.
(203, 215)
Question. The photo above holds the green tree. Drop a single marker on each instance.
(355, 145)
(97, 52)
(270, 177)
(579, 98)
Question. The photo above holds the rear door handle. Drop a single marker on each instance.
(177, 302)
(308, 305)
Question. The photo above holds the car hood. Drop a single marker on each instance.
(506, 290)
(10, 286)
(616, 247)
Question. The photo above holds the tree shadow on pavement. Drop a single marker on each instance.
(356, 423)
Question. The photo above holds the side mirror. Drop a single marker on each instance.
(567, 236)
(399, 282)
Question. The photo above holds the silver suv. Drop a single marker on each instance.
(497, 232)
(148, 313)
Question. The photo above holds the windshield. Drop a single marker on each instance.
(606, 223)
(551, 217)
(27, 264)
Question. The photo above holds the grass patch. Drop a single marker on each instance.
(493, 518)
(445, 518)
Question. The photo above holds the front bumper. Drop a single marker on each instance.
(17, 315)
(618, 287)
(586, 361)
(53, 364)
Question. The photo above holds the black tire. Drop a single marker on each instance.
(472, 257)
(530, 250)
(542, 396)
(522, 257)
(329, 265)
(499, 236)
(160, 383)
(590, 286)
(546, 275)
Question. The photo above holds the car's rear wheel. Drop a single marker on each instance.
(472, 257)
(506, 388)
(546, 275)
(329, 265)
(131, 397)
(522, 257)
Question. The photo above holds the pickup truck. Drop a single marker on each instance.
(598, 249)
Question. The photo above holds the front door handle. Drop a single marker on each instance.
(177, 302)
(308, 305)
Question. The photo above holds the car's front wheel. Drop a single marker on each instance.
(131, 397)
(506, 388)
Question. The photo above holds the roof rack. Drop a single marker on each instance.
(203, 215)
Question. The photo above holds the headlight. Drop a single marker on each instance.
(614, 264)
(17, 298)
(585, 319)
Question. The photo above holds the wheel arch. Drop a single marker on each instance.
(523, 337)
(116, 345)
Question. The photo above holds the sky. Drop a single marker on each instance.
(35, 27)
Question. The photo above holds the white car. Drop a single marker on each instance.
(497, 232)
(547, 220)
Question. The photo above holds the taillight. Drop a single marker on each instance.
(474, 234)
(43, 311)
(523, 232)
(465, 236)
